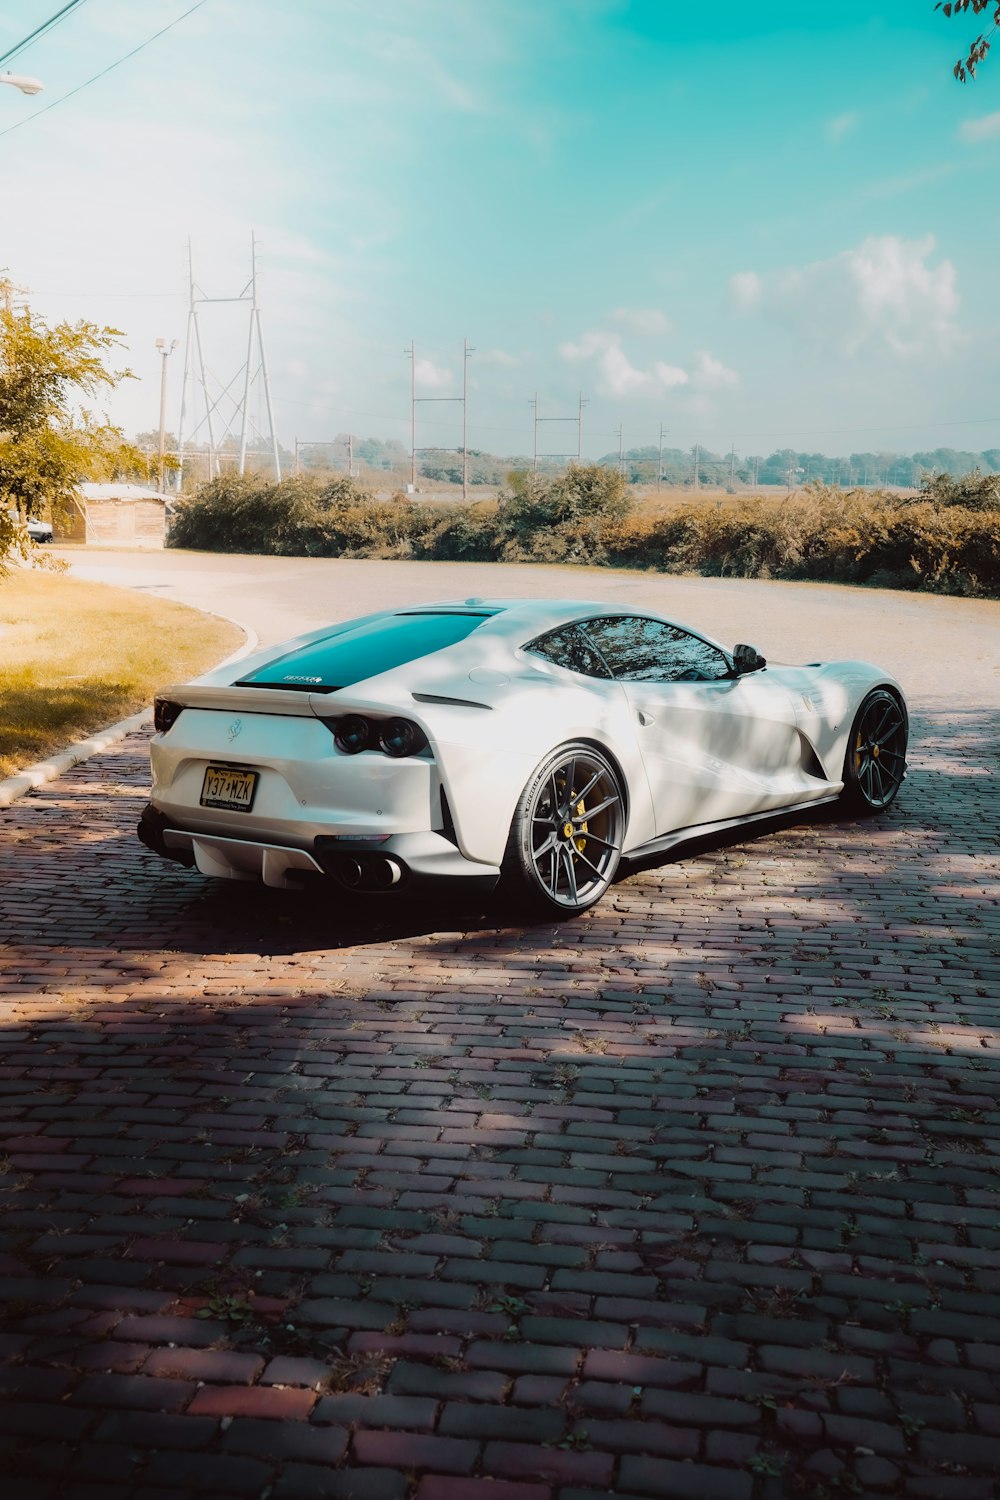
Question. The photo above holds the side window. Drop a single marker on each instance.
(570, 648)
(641, 650)
(697, 661)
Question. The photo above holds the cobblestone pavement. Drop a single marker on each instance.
(695, 1197)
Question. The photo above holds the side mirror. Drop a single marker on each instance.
(747, 659)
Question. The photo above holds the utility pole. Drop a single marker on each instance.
(578, 419)
(659, 461)
(412, 352)
(437, 400)
(7, 291)
(732, 466)
(301, 443)
(697, 461)
(466, 351)
(165, 350)
(350, 455)
(621, 456)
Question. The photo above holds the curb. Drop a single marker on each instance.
(23, 782)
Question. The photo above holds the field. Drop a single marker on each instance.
(74, 657)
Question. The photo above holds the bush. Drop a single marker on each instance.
(294, 518)
(461, 533)
(354, 522)
(242, 513)
(563, 519)
(973, 491)
(945, 539)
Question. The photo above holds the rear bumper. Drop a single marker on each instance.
(387, 864)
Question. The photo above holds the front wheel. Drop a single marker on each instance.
(565, 841)
(875, 763)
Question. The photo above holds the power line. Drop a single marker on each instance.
(104, 71)
(112, 296)
(39, 31)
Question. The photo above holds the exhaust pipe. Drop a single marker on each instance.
(361, 869)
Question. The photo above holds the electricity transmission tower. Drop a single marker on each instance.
(462, 400)
(220, 412)
(578, 419)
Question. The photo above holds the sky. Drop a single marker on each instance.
(757, 226)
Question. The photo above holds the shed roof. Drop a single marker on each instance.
(119, 492)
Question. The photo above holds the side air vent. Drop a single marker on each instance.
(454, 702)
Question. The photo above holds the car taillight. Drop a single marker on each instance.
(165, 714)
(351, 734)
(395, 737)
(399, 737)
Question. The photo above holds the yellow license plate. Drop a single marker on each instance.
(232, 790)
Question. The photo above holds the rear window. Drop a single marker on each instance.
(365, 650)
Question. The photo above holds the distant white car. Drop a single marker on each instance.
(542, 741)
(39, 531)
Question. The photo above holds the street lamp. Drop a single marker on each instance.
(166, 350)
(20, 81)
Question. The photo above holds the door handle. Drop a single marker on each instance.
(645, 719)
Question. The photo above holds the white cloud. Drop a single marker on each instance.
(885, 292)
(430, 376)
(590, 344)
(498, 357)
(669, 375)
(407, 54)
(746, 287)
(711, 374)
(842, 125)
(645, 320)
(619, 377)
(982, 129)
(904, 182)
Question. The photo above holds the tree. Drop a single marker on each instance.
(48, 442)
(966, 67)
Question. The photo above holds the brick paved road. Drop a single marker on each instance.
(695, 1197)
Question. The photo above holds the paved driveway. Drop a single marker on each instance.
(694, 1197)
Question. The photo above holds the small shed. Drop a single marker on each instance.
(113, 515)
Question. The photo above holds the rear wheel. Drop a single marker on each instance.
(566, 838)
(876, 753)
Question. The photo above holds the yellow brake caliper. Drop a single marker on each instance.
(581, 843)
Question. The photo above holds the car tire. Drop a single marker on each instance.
(566, 836)
(875, 763)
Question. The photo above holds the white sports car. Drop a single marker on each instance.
(540, 741)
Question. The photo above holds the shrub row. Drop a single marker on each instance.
(946, 539)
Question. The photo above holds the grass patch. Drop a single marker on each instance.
(76, 657)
